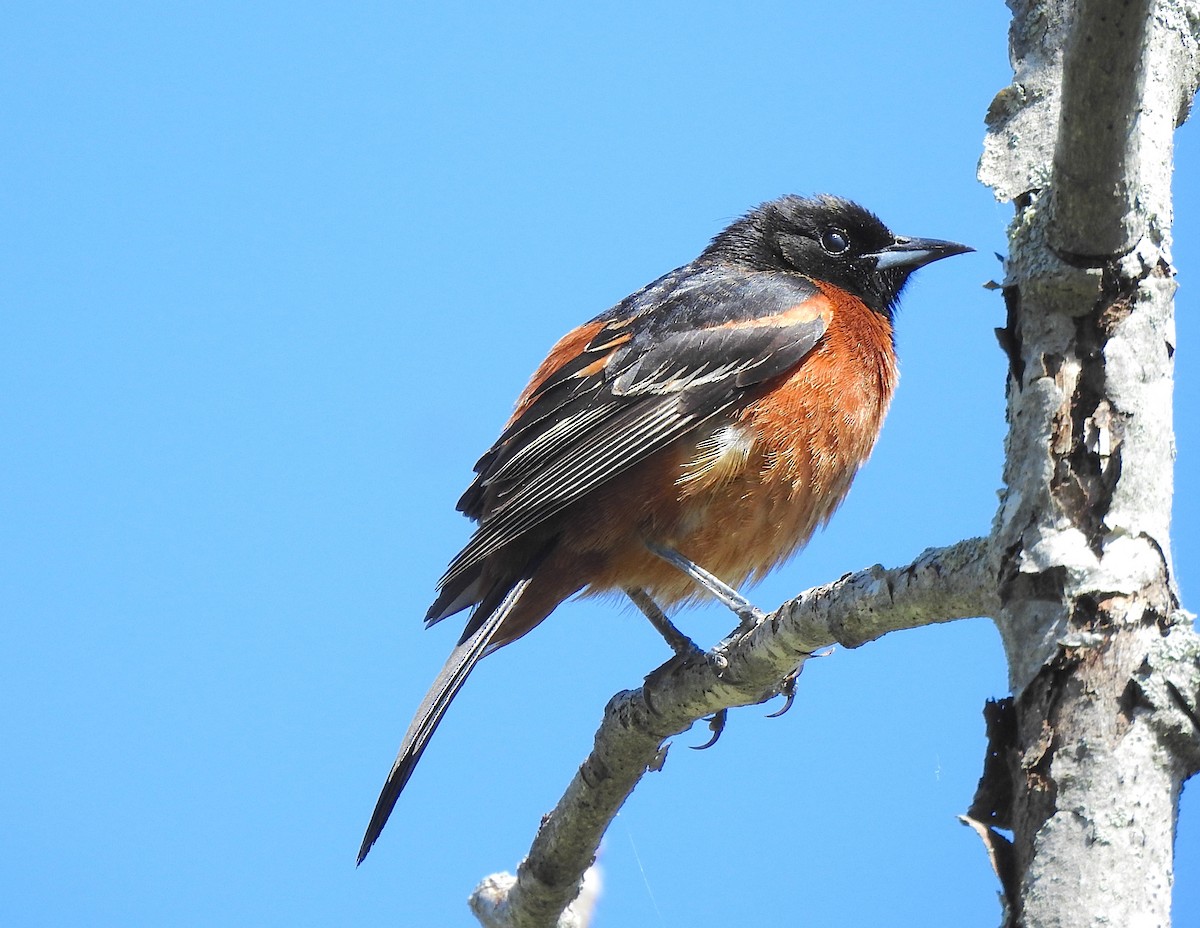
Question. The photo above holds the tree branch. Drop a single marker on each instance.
(942, 585)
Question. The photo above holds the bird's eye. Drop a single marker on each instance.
(835, 241)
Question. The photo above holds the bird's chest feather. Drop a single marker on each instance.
(778, 468)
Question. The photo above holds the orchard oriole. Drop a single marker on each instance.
(702, 428)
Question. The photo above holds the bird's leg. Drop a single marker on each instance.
(684, 649)
(681, 644)
(745, 610)
(749, 614)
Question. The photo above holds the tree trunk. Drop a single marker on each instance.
(1092, 750)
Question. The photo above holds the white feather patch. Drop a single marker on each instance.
(720, 457)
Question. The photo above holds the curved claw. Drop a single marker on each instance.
(787, 689)
(790, 697)
(716, 724)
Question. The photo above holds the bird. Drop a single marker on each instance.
(685, 441)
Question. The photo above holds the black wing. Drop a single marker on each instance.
(680, 352)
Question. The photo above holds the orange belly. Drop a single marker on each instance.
(739, 495)
(745, 493)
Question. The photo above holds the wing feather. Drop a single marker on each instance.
(660, 367)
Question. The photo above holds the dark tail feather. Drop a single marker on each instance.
(454, 674)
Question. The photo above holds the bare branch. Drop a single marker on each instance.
(942, 585)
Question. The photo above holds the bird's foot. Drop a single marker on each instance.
(716, 724)
(787, 689)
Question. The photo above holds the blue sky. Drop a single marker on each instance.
(272, 277)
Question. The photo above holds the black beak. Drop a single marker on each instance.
(912, 253)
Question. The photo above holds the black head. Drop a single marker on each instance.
(830, 239)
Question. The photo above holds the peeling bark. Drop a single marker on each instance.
(1096, 750)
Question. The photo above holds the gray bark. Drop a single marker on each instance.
(1103, 660)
